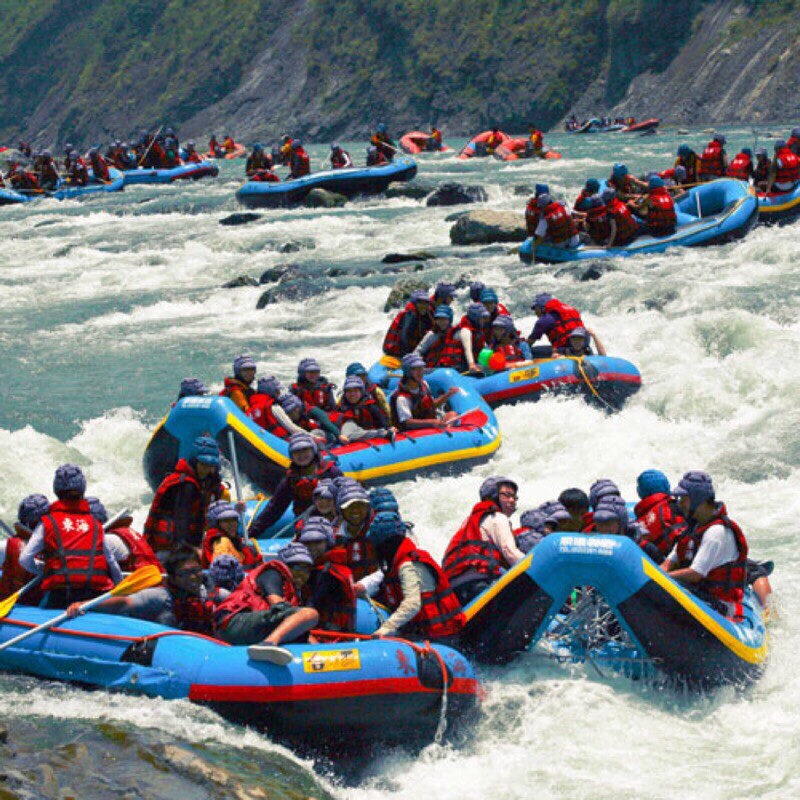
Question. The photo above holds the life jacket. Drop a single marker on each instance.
(560, 225)
(468, 550)
(261, 413)
(340, 159)
(436, 135)
(580, 199)
(100, 168)
(761, 170)
(726, 582)
(787, 167)
(366, 413)
(441, 346)
(264, 176)
(247, 595)
(712, 160)
(741, 167)
(193, 157)
(392, 344)
(140, 552)
(159, 528)
(339, 614)
(661, 216)
(493, 141)
(589, 525)
(14, 577)
(533, 215)
(357, 554)
(303, 485)
(24, 180)
(537, 140)
(249, 556)
(48, 173)
(422, 405)
(233, 385)
(255, 162)
(623, 184)
(597, 223)
(627, 227)
(568, 319)
(300, 164)
(662, 520)
(384, 145)
(453, 355)
(377, 159)
(319, 395)
(510, 351)
(73, 549)
(229, 145)
(193, 613)
(441, 613)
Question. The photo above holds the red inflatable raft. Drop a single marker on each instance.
(476, 147)
(516, 149)
(416, 142)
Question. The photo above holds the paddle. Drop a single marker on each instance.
(305, 515)
(236, 481)
(152, 142)
(143, 578)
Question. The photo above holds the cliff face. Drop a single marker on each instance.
(90, 69)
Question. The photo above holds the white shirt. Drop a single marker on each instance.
(496, 528)
(415, 579)
(717, 548)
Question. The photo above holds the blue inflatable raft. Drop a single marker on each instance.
(65, 191)
(263, 457)
(350, 182)
(712, 213)
(604, 381)
(631, 616)
(336, 697)
(779, 209)
(183, 172)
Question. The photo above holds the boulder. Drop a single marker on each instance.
(455, 216)
(523, 191)
(414, 190)
(402, 290)
(322, 198)
(282, 272)
(489, 227)
(583, 272)
(456, 194)
(399, 258)
(241, 218)
(335, 272)
(242, 280)
(291, 292)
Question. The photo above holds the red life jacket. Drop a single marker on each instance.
(580, 198)
(247, 595)
(741, 167)
(589, 525)
(392, 345)
(597, 224)
(358, 554)
(532, 216)
(493, 141)
(440, 614)
(100, 168)
(468, 550)
(232, 385)
(568, 319)
(560, 225)
(193, 158)
(422, 405)
(627, 227)
(366, 413)
(192, 613)
(340, 614)
(442, 343)
(787, 167)
(141, 554)
(454, 355)
(624, 184)
(537, 140)
(658, 515)
(264, 176)
(661, 216)
(300, 164)
(726, 582)
(712, 161)
(339, 159)
(250, 555)
(159, 529)
(261, 413)
(14, 577)
(303, 485)
(761, 171)
(73, 549)
(319, 395)
(48, 173)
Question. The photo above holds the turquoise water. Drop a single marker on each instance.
(106, 304)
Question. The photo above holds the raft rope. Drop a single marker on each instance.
(588, 382)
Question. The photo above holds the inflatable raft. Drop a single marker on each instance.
(476, 147)
(639, 621)
(596, 126)
(603, 381)
(263, 457)
(239, 151)
(517, 149)
(135, 177)
(779, 209)
(712, 213)
(332, 696)
(350, 182)
(641, 127)
(65, 191)
(416, 142)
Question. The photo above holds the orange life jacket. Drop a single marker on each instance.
(569, 318)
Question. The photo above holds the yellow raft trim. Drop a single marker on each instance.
(776, 209)
(499, 585)
(156, 430)
(753, 655)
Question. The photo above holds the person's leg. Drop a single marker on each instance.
(294, 626)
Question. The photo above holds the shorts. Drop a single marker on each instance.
(252, 627)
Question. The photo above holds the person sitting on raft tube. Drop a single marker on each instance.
(48, 173)
(340, 159)
(305, 471)
(228, 144)
(626, 185)
(555, 319)
(98, 166)
(414, 586)
(484, 545)
(224, 537)
(556, 226)
(784, 174)
(313, 421)
(267, 412)
(467, 340)
(29, 514)
(533, 214)
(372, 389)
(214, 147)
(793, 142)
(239, 388)
(492, 303)
(434, 142)
(129, 547)
(579, 344)
(494, 140)
(534, 147)
(259, 166)
(299, 162)
(178, 510)
(504, 338)
(657, 209)
(690, 161)
(761, 170)
(68, 548)
(382, 142)
(714, 160)
(590, 190)
(741, 167)
(438, 341)
(657, 512)
(192, 156)
(413, 405)
(375, 158)
(265, 608)
(360, 417)
(600, 489)
(409, 326)
(623, 227)
(354, 516)
(76, 171)
(312, 387)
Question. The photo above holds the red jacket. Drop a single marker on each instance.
(468, 550)
(658, 515)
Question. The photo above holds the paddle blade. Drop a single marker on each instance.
(143, 578)
(9, 603)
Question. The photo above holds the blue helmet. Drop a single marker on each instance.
(269, 386)
(419, 296)
(334, 147)
(619, 171)
(592, 186)
(489, 296)
(381, 127)
(301, 441)
(353, 382)
(477, 313)
(533, 519)
(541, 300)
(779, 145)
(31, 510)
(761, 152)
(355, 368)
(652, 481)
(192, 387)
(226, 572)
(69, 478)
(383, 499)
(443, 312)
(505, 322)
(475, 289)
(295, 555)
(307, 365)
(747, 151)
(219, 510)
(257, 148)
(296, 144)
(604, 487)
(544, 200)
(411, 361)
(325, 489)
(684, 150)
(386, 526)
(97, 509)
(720, 137)
(697, 486)
(655, 182)
(541, 188)
(612, 508)
(317, 529)
(242, 362)
(290, 402)
(206, 451)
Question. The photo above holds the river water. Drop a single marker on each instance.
(107, 303)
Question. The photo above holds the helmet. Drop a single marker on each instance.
(796, 133)
(505, 322)
(652, 481)
(353, 382)
(355, 368)
(619, 171)
(555, 513)
(680, 172)
(697, 486)
(46, 154)
(747, 151)
(544, 200)
(719, 137)
(257, 148)
(242, 362)
(381, 127)
(301, 441)
(218, 510)
(477, 312)
(655, 182)
(762, 151)
(69, 478)
(609, 193)
(444, 290)
(581, 332)
(541, 188)
(533, 519)
(190, 145)
(592, 185)
(325, 490)
(604, 487)
(385, 526)
(92, 152)
(490, 488)
(611, 508)
(226, 572)
(475, 289)
(192, 387)
(307, 365)
(32, 509)
(206, 451)
(489, 296)
(285, 137)
(335, 147)
(419, 296)
(97, 509)
(383, 499)
(68, 148)
(295, 555)
(541, 300)
(684, 150)
(443, 312)
(411, 361)
(779, 145)
(349, 492)
(317, 529)
(290, 402)
(269, 386)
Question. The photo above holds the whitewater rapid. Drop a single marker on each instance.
(106, 304)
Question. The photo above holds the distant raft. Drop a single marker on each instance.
(518, 149)
(629, 616)
(476, 147)
(350, 181)
(416, 142)
(641, 127)
(66, 191)
(596, 126)
(779, 208)
(603, 381)
(712, 213)
(183, 172)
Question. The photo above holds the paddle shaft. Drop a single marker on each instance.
(152, 142)
(237, 484)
